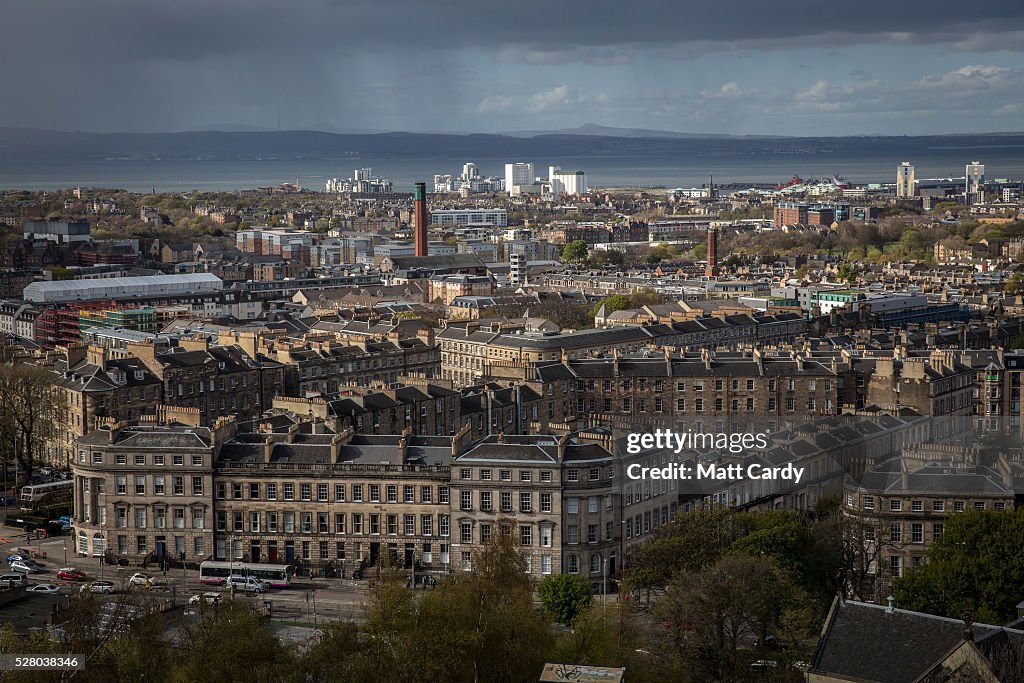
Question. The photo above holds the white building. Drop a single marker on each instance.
(519, 173)
(123, 287)
(448, 217)
(975, 180)
(470, 171)
(517, 267)
(905, 180)
(567, 182)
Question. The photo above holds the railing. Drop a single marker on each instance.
(334, 467)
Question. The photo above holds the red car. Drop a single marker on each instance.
(70, 574)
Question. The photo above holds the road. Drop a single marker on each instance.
(304, 600)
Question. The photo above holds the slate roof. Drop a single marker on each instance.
(865, 642)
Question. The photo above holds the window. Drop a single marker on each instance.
(592, 503)
(197, 486)
(572, 476)
(980, 505)
(895, 505)
(442, 495)
(505, 475)
(545, 502)
(485, 500)
(895, 565)
(869, 502)
(958, 506)
(916, 506)
(426, 525)
(140, 486)
(938, 505)
(525, 535)
(374, 493)
(426, 494)
(465, 473)
(545, 564)
(339, 493)
(289, 491)
(572, 534)
(506, 501)
(466, 532)
(525, 502)
(999, 505)
(466, 500)
(158, 484)
(444, 526)
(545, 536)
(917, 533)
(357, 493)
(595, 564)
(572, 564)
(525, 475)
(409, 494)
(485, 475)
(896, 532)
(306, 491)
(572, 505)
(271, 491)
(321, 492)
(937, 531)
(545, 476)
(591, 533)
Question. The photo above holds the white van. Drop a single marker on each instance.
(249, 584)
(13, 579)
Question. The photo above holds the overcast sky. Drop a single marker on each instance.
(725, 66)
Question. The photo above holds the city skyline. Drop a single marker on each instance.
(403, 66)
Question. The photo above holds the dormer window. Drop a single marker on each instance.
(140, 375)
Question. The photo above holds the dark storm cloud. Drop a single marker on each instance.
(139, 65)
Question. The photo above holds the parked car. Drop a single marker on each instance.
(208, 598)
(47, 588)
(13, 579)
(105, 587)
(27, 566)
(16, 558)
(249, 584)
(70, 574)
(140, 579)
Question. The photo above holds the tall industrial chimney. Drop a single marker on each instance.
(712, 267)
(419, 196)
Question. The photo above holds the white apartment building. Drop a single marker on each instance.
(567, 182)
(519, 173)
(447, 217)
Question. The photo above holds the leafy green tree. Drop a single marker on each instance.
(574, 252)
(846, 272)
(565, 596)
(974, 568)
(231, 643)
(713, 615)
(32, 408)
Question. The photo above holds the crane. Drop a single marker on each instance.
(298, 188)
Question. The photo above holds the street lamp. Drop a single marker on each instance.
(604, 581)
(65, 553)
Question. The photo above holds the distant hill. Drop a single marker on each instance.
(594, 129)
(21, 144)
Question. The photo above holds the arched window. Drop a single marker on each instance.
(595, 563)
(573, 564)
(83, 543)
(99, 544)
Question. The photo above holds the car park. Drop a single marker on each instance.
(70, 574)
(208, 598)
(104, 587)
(46, 588)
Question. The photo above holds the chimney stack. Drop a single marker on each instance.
(712, 267)
(419, 196)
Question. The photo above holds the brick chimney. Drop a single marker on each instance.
(420, 218)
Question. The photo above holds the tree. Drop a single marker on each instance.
(738, 602)
(565, 596)
(574, 252)
(974, 568)
(32, 408)
(846, 272)
(231, 643)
